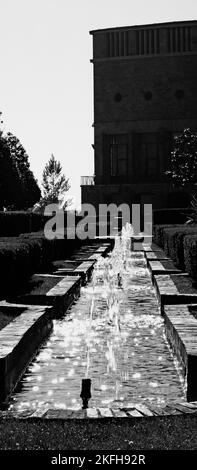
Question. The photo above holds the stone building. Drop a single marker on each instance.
(145, 92)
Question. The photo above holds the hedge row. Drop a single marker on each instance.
(190, 255)
(14, 223)
(180, 243)
(22, 256)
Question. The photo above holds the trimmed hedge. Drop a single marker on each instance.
(172, 240)
(190, 255)
(158, 232)
(18, 260)
(31, 253)
(14, 223)
(55, 249)
(180, 244)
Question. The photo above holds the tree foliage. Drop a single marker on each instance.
(10, 187)
(29, 190)
(183, 167)
(18, 187)
(54, 183)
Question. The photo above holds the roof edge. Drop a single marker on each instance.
(167, 23)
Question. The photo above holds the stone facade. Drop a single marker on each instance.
(144, 93)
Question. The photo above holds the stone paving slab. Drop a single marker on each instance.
(83, 269)
(175, 289)
(19, 340)
(141, 246)
(181, 331)
(156, 255)
(162, 267)
(66, 264)
(89, 252)
(138, 411)
(94, 257)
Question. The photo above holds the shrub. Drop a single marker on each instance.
(158, 233)
(18, 260)
(14, 223)
(21, 257)
(173, 240)
(190, 255)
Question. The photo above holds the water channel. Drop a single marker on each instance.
(114, 336)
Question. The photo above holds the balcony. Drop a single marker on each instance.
(87, 180)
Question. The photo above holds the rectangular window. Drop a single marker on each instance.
(118, 149)
(148, 157)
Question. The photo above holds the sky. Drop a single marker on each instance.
(46, 78)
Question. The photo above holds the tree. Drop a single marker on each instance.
(55, 184)
(18, 187)
(183, 167)
(29, 190)
(10, 188)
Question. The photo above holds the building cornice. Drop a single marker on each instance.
(145, 56)
(145, 26)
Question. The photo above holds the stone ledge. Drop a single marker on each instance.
(175, 289)
(147, 248)
(19, 341)
(181, 332)
(64, 268)
(156, 255)
(162, 267)
(60, 296)
(88, 253)
(137, 411)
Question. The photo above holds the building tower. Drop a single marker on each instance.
(144, 93)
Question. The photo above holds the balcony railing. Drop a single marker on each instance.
(87, 180)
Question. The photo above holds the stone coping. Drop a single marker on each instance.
(141, 246)
(83, 269)
(88, 253)
(19, 341)
(181, 332)
(82, 259)
(162, 267)
(13, 332)
(131, 411)
(175, 289)
(156, 255)
(62, 293)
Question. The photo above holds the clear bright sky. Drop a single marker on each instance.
(46, 81)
